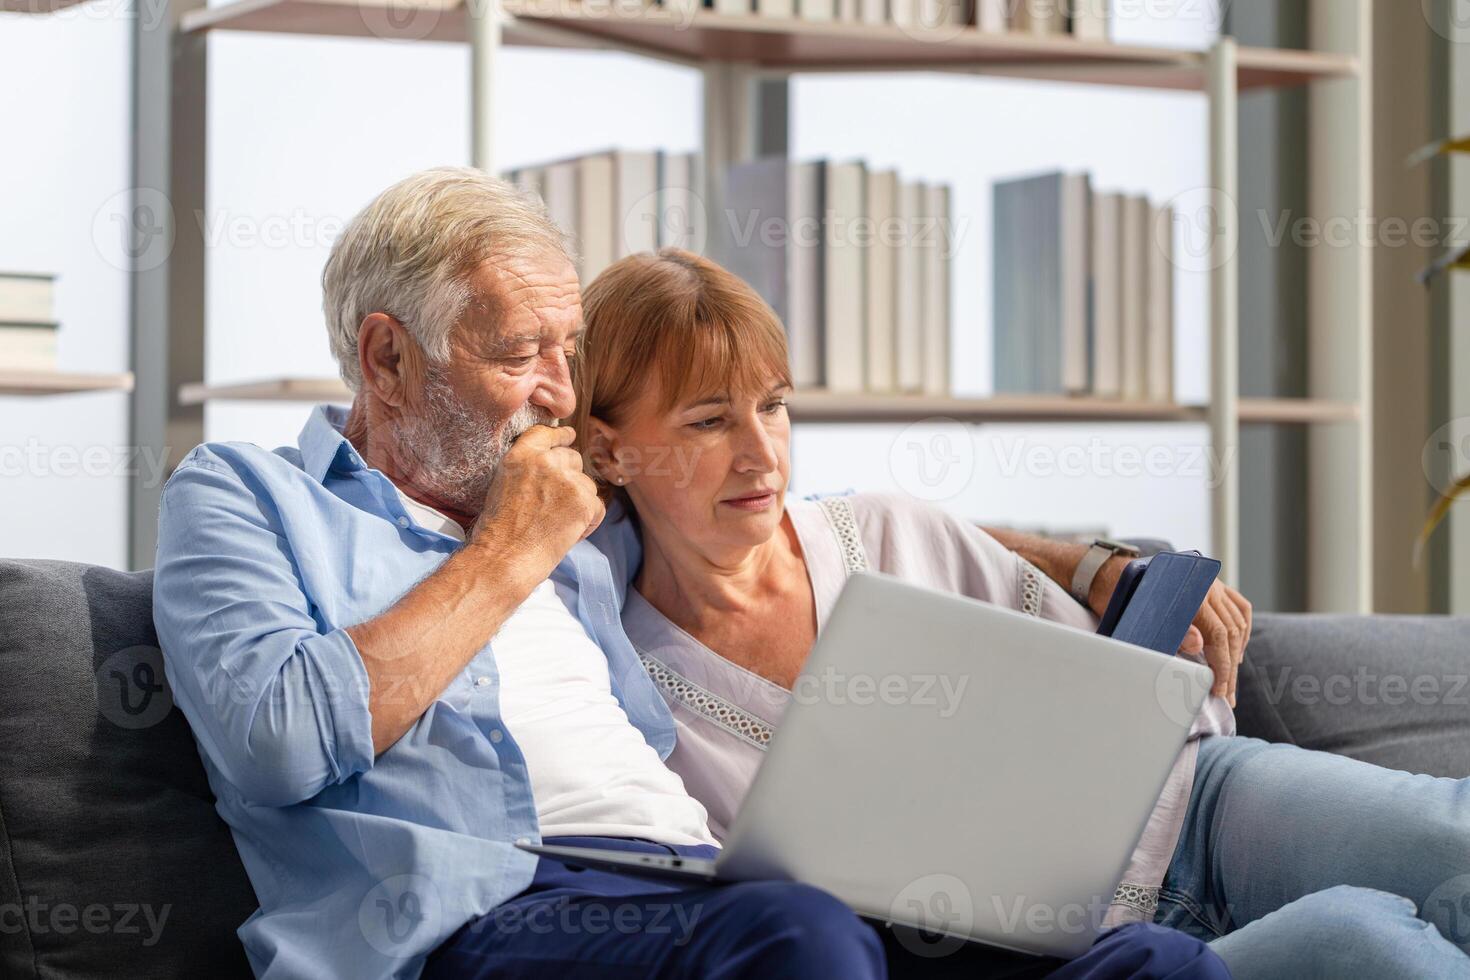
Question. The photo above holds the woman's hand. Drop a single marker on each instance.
(1220, 631)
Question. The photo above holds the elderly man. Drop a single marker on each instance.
(327, 614)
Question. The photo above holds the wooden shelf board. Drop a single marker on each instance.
(36, 6)
(824, 406)
(61, 382)
(767, 42)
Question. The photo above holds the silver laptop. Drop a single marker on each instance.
(958, 767)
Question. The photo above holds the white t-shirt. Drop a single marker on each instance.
(592, 773)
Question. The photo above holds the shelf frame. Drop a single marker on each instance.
(26, 383)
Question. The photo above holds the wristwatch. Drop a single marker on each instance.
(1102, 549)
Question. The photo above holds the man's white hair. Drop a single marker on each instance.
(410, 254)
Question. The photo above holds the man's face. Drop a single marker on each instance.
(507, 371)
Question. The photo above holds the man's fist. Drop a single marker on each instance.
(540, 502)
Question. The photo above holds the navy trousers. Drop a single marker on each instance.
(572, 924)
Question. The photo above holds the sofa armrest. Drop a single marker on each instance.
(1391, 690)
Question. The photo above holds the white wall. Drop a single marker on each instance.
(303, 131)
(64, 156)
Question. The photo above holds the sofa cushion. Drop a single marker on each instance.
(113, 862)
(1391, 690)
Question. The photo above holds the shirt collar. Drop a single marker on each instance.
(321, 441)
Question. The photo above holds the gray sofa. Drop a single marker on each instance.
(113, 863)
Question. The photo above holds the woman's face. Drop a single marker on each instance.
(711, 471)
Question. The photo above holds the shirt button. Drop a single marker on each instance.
(496, 735)
(403, 522)
(481, 681)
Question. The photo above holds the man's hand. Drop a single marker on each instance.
(1218, 635)
(539, 504)
(540, 501)
(1221, 629)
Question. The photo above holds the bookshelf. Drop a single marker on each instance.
(36, 6)
(737, 55)
(61, 383)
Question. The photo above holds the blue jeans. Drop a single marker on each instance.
(575, 924)
(1295, 864)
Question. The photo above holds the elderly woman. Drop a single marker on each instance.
(1291, 863)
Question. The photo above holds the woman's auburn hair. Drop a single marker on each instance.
(675, 324)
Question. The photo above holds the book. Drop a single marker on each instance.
(596, 192)
(635, 213)
(757, 196)
(681, 218)
(28, 346)
(904, 13)
(776, 8)
(806, 271)
(990, 16)
(1106, 292)
(1134, 306)
(873, 11)
(845, 297)
(1039, 16)
(849, 10)
(559, 191)
(731, 6)
(881, 263)
(1041, 318)
(934, 241)
(817, 10)
(909, 278)
(27, 296)
(1159, 341)
(1089, 19)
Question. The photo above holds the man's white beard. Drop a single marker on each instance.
(457, 450)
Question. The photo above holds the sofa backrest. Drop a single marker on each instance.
(113, 862)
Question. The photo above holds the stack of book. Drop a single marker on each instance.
(855, 263)
(27, 322)
(1083, 292)
(619, 202)
(1084, 19)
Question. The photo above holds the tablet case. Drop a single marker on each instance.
(1165, 599)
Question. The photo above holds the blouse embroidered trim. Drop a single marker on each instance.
(735, 720)
(1030, 588)
(1141, 898)
(844, 525)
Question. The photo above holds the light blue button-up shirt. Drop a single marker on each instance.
(362, 866)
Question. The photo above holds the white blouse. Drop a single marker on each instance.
(725, 714)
